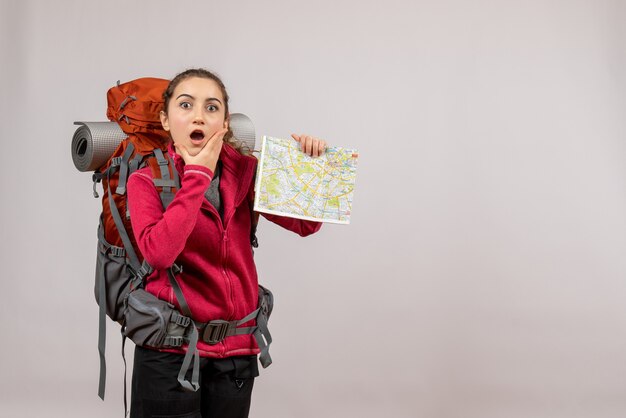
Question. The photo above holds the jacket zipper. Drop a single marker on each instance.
(222, 225)
(224, 257)
(223, 260)
(238, 202)
(231, 307)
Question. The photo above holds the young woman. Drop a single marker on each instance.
(206, 230)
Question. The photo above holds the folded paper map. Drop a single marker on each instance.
(290, 183)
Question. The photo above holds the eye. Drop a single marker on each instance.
(185, 105)
(212, 108)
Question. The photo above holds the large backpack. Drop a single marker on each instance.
(120, 268)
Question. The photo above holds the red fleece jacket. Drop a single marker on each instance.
(219, 278)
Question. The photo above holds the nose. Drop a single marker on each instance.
(197, 116)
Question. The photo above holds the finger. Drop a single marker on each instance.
(219, 133)
(302, 142)
(215, 143)
(308, 145)
(296, 137)
(322, 147)
(212, 142)
(220, 139)
(181, 150)
(315, 148)
(318, 149)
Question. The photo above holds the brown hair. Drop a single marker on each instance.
(202, 73)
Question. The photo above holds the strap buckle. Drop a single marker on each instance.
(180, 320)
(176, 269)
(173, 341)
(117, 251)
(215, 331)
(144, 270)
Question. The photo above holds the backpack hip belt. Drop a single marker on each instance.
(217, 330)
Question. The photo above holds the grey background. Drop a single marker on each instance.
(483, 272)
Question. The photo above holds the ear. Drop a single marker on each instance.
(164, 121)
(227, 121)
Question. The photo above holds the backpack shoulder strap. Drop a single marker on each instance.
(254, 216)
(164, 176)
(123, 162)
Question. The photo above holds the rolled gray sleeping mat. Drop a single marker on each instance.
(94, 142)
(243, 130)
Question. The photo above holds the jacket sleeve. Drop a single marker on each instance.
(299, 226)
(161, 234)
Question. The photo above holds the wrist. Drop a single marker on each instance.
(198, 168)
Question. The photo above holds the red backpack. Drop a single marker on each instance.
(135, 106)
(120, 269)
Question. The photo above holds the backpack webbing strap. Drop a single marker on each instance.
(119, 224)
(254, 220)
(163, 183)
(102, 323)
(215, 331)
(263, 339)
(121, 185)
(135, 283)
(192, 349)
(249, 317)
(192, 353)
(133, 165)
(96, 178)
(144, 271)
(166, 192)
(175, 171)
(124, 358)
(134, 262)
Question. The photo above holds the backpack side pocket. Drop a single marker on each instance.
(113, 277)
(152, 322)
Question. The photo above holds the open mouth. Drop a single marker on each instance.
(197, 136)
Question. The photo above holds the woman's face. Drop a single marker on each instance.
(195, 112)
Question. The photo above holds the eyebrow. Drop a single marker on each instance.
(193, 98)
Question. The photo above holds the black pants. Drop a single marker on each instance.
(225, 387)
